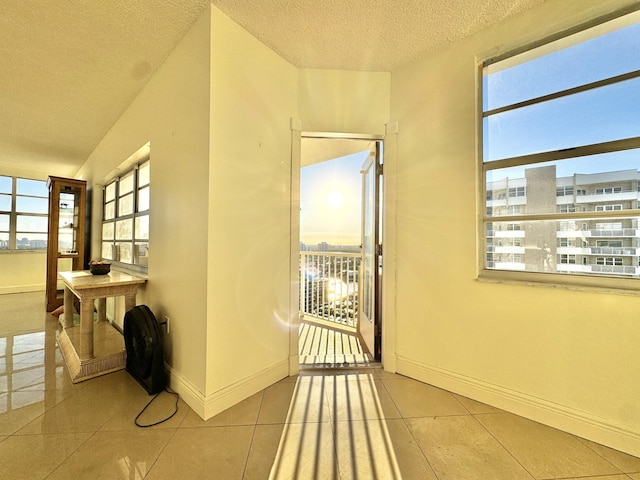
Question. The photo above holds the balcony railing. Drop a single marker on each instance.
(614, 251)
(617, 270)
(329, 287)
(619, 232)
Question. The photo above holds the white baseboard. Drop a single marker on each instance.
(187, 391)
(294, 365)
(583, 424)
(23, 289)
(207, 406)
(390, 362)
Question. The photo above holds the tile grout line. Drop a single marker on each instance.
(253, 435)
(533, 477)
(406, 425)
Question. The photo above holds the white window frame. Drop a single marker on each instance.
(13, 214)
(564, 191)
(567, 208)
(488, 223)
(517, 192)
(608, 208)
(136, 265)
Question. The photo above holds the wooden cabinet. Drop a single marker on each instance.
(66, 235)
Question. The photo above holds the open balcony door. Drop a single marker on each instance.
(369, 321)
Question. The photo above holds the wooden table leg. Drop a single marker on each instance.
(86, 329)
(67, 321)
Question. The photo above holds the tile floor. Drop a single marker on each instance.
(324, 424)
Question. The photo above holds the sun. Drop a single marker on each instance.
(335, 199)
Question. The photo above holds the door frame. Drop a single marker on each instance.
(294, 318)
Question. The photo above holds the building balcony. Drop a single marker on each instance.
(514, 266)
(619, 251)
(621, 270)
(508, 201)
(619, 232)
(607, 197)
(328, 299)
(572, 268)
(573, 251)
(508, 249)
(506, 233)
(329, 288)
(626, 270)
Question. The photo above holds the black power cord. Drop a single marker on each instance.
(150, 402)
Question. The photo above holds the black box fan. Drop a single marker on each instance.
(143, 343)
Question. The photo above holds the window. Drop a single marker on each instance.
(561, 118)
(24, 207)
(608, 208)
(125, 223)
(564, 191)
(516, 192)
(514, 209)
(617, 261)
(609, 243)
(568, 207)
(608, 190)
(568, 259)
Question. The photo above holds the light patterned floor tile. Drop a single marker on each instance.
(379, 449)
(110, 455)
(458, 447)
(358, 396)
(544, 451)
(416, 399)
(33, 457)
(305, 450)
(303, 401)
(476, 407)
(210, 452)
(626, 463)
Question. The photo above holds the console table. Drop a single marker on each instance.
(94, 348)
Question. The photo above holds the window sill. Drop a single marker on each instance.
(135, 270)
(609, 285)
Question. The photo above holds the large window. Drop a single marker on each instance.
(24, 206)
(125, 224)
(561, 141)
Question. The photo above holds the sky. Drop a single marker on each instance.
(330, 201)
(590, 117)
(330, 191)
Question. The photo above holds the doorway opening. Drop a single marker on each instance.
(340, 257)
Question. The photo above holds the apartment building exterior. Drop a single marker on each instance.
(589, 246)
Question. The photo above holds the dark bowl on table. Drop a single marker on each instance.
(100, 268)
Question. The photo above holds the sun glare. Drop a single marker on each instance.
(335, 199)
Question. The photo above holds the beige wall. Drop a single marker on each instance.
(343, 101)
(23, 272)
(172, 112)
(253, 98)
(565, 357)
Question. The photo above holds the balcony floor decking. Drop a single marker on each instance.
(326, 347)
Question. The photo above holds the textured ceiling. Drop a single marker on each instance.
(69, 68)
(369, 35)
